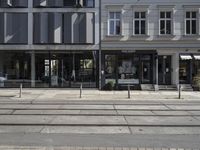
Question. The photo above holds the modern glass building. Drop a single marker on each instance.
(49, 43)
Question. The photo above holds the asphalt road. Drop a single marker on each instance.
(100, 123)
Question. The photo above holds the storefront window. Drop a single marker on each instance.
(196, 66)
(15, 68)
(127, 70)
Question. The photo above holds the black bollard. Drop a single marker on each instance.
(81, 88)
(129, 94)
(20, 91)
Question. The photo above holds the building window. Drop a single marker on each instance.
(140, 23)
(114, 23)
(165, 22)
(191, 23)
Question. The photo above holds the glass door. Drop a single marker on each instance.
(184, 71)
(164, 70)
(54, 73)
(146, 69)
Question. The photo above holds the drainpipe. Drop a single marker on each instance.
(100, 71)
(156, 85)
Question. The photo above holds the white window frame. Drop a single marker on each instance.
(140, 19)
(166, 19)
(194, 8)
(115, 20)
(191, 19)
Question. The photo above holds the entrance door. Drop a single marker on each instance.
(164, 70)
(146, 69)
(184, 71)
(54, 73)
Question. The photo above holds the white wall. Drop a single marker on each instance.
(152, 40)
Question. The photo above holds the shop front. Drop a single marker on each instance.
(189, 68)
(49, 69)
(128, 68)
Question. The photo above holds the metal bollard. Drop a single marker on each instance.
(179, 91)
(20, 91)
(81, 88)
(129, 94)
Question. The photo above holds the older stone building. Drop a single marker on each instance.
(150, 44)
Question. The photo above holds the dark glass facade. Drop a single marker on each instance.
(49, 69)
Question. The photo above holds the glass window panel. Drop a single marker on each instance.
(162, 27)
(168, 31)
(90, 3)
(194, 15)
(137, 27)
(137, 15)
(194, 26)
(118, 15)
(187, 14)
(110, 61)
(118, 28)
(143, 27)
(111, 15)
(112, 27)
(162, 14)
(168, 14)
(143, 14)
(187, 27)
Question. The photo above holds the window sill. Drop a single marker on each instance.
(114, 36)
(140, 36)
(191, 36)
(166, 36)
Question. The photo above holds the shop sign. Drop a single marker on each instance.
(128, 81)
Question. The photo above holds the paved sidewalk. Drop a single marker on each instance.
(83, 148)
(91, 94)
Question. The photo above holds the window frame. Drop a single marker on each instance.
(115, 22)
(190, 20)
(140, 19)
(165, 19)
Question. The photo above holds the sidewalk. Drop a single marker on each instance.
(93, 94)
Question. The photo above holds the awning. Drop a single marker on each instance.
(185, 57)
(197, 57)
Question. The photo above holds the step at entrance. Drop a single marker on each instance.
(167, 87)
(186, 87)
(147, 87)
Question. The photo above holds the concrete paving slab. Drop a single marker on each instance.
(194, 113)
(21, 119)
(98, 112)
(87, 107)
(90, 120)
(28, 106)
(165, 130)
(143, 107)
(20, 129)
(46, 112)
(140, 113)
(6, 111)
(161, 120)
(185, 107)
(171, 113)
(86, 130)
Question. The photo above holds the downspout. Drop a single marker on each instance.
(100, 71)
